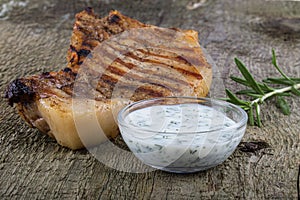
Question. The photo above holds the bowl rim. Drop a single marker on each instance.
(237, 125)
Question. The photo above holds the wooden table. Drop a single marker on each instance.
(35, 37)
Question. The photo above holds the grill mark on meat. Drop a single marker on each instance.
(143, 58)
(128, 65)
(109, 54)
(106, 85)
(147, 71)
(175, 58)
(151, 91)
(112, 76)
(107, 81)
(144, 92)
(189, 61)
(133, 79)
(115, 70)
(183, 71)
(168, 81)
(170, 59)
(139, 67)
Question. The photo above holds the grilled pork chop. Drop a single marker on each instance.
(112, 61)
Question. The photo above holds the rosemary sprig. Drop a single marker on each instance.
(259, 92)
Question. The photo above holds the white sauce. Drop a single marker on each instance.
(168, 139)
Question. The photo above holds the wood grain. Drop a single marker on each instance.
(35, 38)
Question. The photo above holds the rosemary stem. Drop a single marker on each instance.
(279, 91)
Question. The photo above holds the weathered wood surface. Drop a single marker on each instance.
(34, 38)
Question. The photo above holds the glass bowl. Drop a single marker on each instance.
(182, 134)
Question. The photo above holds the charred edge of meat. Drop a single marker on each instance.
(72, 48)
(80, 53)
(113, 19)
(17, 92)
(71, 74)
(67, 69)
(89, 10)
(83, 52)
(46, 75)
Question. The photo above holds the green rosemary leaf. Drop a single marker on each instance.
(248, 76)
(254, 95)
(283, 105)
(284, 94)
(295, 91)
(257, 110)
(274, 62)
(274, 59)
(267, 80)
(249, 92)
(278, 81)
(234, 99)
(251, 116)
(297, 80)
(240, 80)
(267, 88)
(283, 80)
(246, 108)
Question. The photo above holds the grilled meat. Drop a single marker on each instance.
(112, 61)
